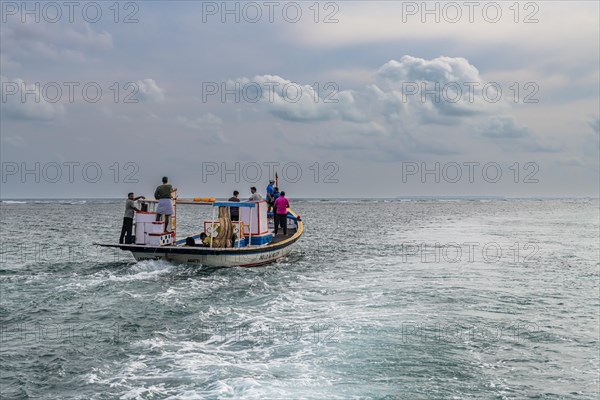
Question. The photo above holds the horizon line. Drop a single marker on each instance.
(338, 198)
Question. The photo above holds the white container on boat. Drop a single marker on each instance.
(158, 239)
(140, 233)
(153, 239)
(145, 217)
(154, 227)
(259, 218)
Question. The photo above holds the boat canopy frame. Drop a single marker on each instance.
(214, 204)
(229, 204)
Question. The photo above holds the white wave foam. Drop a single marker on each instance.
(65, 202)
(145, 392)
(145, 270)
(151, 266)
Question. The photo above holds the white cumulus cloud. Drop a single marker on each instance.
(148, 90)
(426, 104)
(25, 102)
(299, 102)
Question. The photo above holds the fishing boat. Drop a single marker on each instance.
(248, 242)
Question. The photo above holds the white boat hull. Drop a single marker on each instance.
(222, 260)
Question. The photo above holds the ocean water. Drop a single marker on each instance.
(413, 299)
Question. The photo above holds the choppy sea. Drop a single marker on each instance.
(382, 299)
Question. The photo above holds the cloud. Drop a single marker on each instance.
(360, 24)
(415, 105)
(48, 41)
(371, 128)
(82, 35)
(533, 145)
(148, 90)
(440, 69)
(503, 127)
(209, 125)
(439, 90)
(445, 91)
(291, 101)
(511, 136)
(25, 102)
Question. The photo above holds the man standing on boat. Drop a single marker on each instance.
(270, 192)
(255, 195)
(275, 197)
(130, 209)
(163, 194)
(281, 206)
(235, 211)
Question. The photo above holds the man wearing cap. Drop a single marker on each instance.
(270, 193)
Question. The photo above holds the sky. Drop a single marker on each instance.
(340, 99)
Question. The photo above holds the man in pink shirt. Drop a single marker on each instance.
(281, 205)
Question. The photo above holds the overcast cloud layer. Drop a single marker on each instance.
(359, 99)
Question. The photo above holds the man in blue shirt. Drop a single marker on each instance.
(270, 192)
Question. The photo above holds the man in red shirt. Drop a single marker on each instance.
(281, 205)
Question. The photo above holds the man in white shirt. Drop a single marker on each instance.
(255, 195)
